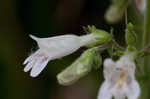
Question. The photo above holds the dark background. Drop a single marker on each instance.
(45, 18)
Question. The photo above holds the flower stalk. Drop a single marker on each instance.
(146, 34)
(146, 40)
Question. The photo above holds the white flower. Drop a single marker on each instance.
(50, 49)
(55, 47)
(60, 46)
(120, 81)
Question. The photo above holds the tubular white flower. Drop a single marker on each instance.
(60, 46)
(120, 80)
(50, 49)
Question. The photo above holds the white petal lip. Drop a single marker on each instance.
(27, 60)
(37, 62)
(104, 91)
(133, 91)
(31, 60)
(38, 67)
(29, 66)
(31, 57)
(107, 91)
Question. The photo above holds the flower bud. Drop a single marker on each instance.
(130, 35)
(79, 68)
(116, 11)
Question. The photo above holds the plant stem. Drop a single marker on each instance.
(146, 38)
(147, 32)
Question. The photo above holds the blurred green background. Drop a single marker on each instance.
(45, 18)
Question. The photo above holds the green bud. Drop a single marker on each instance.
(130, 35)
(131, 49)
(96, 37)
(79, 68)
(116, 11)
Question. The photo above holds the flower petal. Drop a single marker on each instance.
(109, 62)
(127, 64)
(39, 66)
(31, 60)
(34, 37)
(109, 65)
(133, 91)
(32, 56)
(27, 60)
(119, 97)
(104, 92)
(29, 65)
(58, 46)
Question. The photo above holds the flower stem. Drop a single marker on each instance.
(147, 32)
(146, 38)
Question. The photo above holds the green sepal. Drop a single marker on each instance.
(99, 37)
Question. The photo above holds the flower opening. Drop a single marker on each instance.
(120, 80)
